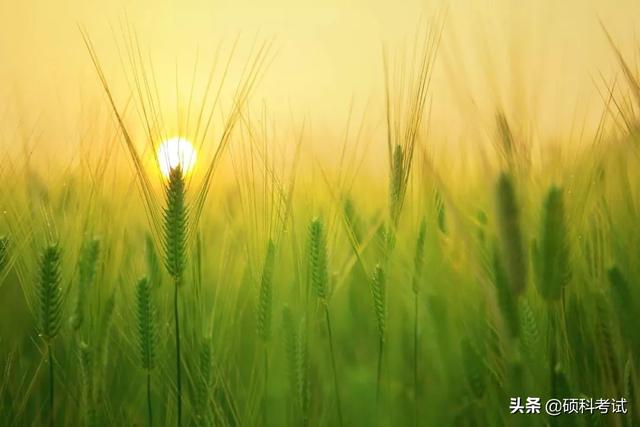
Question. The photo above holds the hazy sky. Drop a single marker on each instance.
(534, 58)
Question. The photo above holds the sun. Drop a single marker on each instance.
(174, 152)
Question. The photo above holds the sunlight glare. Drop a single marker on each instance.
(174, 152)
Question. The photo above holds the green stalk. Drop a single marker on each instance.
(149, 411)
(51, 389)
(264, 316)
(379, 373)
(333, 364)
(176, 315)
(553, 348)
(415, 358)
(265, 403)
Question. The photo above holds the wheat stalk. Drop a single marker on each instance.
(204, 385)
(175, 244)
(379, 293)
(265, 302)
(147, 335)
(86, 371)
(50, 309)
(319, 271)
(266, 294)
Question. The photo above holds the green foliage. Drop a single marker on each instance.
(362, 339)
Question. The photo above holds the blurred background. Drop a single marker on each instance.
(543, 62)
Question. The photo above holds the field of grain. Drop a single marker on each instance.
(190, 257)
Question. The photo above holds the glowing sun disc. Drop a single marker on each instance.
(175, 152)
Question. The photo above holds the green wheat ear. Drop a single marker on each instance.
(622, 298)
(87, 383)
(49, 293)
(266, 294)
(510, 234)
(318, 265)
(396, 183)
(505, 143)
(175, 225)
(530, 336)
(550, 254)
(294, 342)
(378, 290)
(606, 340)
(87, 272)
(145, 317)
(205, 383)
(505, 297)
(147, 335)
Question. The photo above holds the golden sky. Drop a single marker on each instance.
(540, 59)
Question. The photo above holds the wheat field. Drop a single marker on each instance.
(195, 259)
